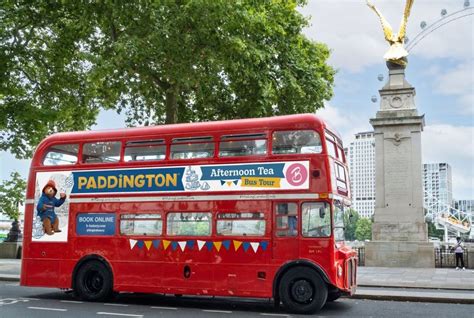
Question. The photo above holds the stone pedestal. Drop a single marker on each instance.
(399, 231)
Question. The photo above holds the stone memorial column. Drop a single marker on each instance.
(399, 232)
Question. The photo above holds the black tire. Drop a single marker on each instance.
(302, 291)
(332, 296)
(93, 281)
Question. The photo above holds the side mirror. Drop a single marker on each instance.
(322, 212)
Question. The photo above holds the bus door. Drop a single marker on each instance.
(285, 231)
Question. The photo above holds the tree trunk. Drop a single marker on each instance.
(171, 105)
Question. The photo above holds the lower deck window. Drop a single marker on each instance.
(189, 223)
(251, 224)
(141, 224)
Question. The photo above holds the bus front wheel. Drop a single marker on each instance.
(302, 291)
(93, 281)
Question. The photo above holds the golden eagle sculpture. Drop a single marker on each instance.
(396, 53)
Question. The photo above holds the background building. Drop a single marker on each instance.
(361, 157)
(437, 187)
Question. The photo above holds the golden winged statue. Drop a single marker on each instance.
(396, 53)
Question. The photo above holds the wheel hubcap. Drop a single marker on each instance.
(302, 291)
(94, 282)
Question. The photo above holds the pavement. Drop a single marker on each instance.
(444, 285)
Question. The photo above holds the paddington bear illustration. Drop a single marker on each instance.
(46, 205)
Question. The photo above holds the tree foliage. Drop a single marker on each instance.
(158, 61)
(363, 229)
(12, 194)
(350, 221)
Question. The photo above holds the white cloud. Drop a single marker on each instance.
(455, 146)
(458, 82)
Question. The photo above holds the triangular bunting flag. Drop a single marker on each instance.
(182, 245)
(174, 245)
(222, 182)
(148, 244)
(132, 243)
(237, 244)
(235, 182)
(200, 244)
(264, 245)
(229, 183)
(156, 243)
(255, 246)
(226, 244)
(209, 245)
(140, 244)
(246, 246)
(166, 244)
(218, 245)
(190, 244)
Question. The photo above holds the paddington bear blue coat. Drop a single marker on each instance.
(49, 212)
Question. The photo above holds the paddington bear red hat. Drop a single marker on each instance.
(51, 184)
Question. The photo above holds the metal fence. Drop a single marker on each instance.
(444, 258)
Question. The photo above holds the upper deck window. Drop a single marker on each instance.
(243, 145)
(65, 154)
(145, 150)
(101, 152)
(192, 148)
(296, 141)
(331, 145)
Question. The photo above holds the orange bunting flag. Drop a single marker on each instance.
(218, 245)
(237, 244)
(166, 244)
(229, 183)
(148, 244)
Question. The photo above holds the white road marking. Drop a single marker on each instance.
(72, 301)
(51, 309)
(218, 311)
(117, 314)
(28, 298)
(118, 305)
(13, 284)
(166, 308)
(275, 315)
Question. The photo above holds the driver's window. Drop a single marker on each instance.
(316, 219)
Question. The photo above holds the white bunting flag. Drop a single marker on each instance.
(132, 243)
(200, 244)
(254, 246)
(182, 245)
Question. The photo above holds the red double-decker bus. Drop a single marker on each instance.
(248, 208)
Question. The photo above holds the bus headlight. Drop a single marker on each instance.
(339, 270)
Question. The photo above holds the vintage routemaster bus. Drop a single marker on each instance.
(249, 208)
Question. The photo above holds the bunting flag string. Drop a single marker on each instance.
(189, 244)
(237, 245)
(200, 244)
(148, 245)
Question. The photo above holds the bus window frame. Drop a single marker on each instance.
(245, 137)
(121, 153)
(46, 151)
(294, 154)
(165, 143)
(221, 212)
(170, 142)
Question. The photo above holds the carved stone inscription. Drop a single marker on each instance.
(397, 172)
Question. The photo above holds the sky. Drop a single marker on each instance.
(440, 68)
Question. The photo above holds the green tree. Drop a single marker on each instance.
(12, 194)
(363, 229)
(158, 61)
(350, 220)
(434, 232)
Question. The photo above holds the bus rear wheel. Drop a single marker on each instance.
(302, 291)
(93, 281)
